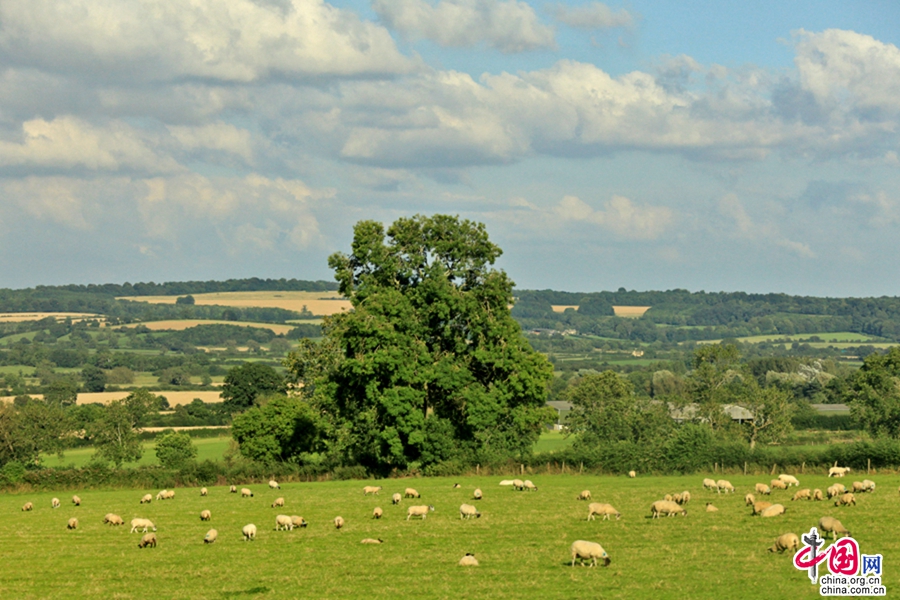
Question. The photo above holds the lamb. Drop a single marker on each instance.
(278, 502)
(632, 474)
(298, 521)
(667, 508)
(211, 536)
(371, 489)
(338, 522)
(518, 484)
(54, 503)
(411, 493)
(779, 484)
(233, 489)
(418, 511)
(838, 471)
(246, 493)
(596, 508)
(868, 485)
(476, 495)
(831, 524)
(724, 484)
(817, 494)
(27, 506)
(161, 495)
(113, 519)
(773, 511)
(274, 485)
(467, 511)
(763, 489)
(789, 480)
(786, 541)
(205, 515)
(395, 499)
(372, 541)
(204, 491)
(284, 522)
(468, 560)
(142, 524)
(249, 532)
(710, 484)
(149, 539)
(72, 524)
(846, 500)
(802, 495)
(147, 499)
(584, 495)
(711, 508)
(377, 513)
(760, 506)
(685, 497)
(589, 551)
(76, 500)
(528, 486)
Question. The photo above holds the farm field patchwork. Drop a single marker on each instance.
(181, 325)
(522, 542)
(174, 398)
(319, 303)
(37, 316)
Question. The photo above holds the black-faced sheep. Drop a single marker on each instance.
(786, 541)
(149, 540)
(411, 493)
(211, 536)
(468, 560)
(467, 511)
(338, 522)
(249, 532)
(205, 515)
(72, 524)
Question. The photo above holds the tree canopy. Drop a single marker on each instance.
(244, 384)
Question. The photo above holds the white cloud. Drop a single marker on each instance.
(215, 136)
(238, 40)
(60, 200)
(745, 227)
(594, 15)
(507, 25)
(619, 215)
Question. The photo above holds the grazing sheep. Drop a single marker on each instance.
(632, 474)
(246, 493)
(838, 471)
(377, 513)
(411, 493)
(142, 524)
(456, 486)
(278, 502)
(710, 484)
(789, 480)
(773, 511)
(395, 499)
(817, 494)
(203, 491)
(211, 536)
(668, 498)
(468, 560)
(589, 551)
(685, 497)
(169, 495)
(274, 485)
(584, 495)
(338, 522)
(113, 519)
(529, 486)
(284, 522)
(162, 495)
(149, 539)
(372, 541)
(596, 508)
(786, 541)
(846, 500)
(72, 524)
(476, 495)
(676, 498)
(371, 489)
(54, 503)
(418, 511)
(666, 507)
(298, 521)
(749, 499)
(27, 506)
(507, 482)
(868, 485)
(147, 499)
(762, 489)
(778, 484)
(831, 524)
(724, 484)
(518, 484)
(76, 500)
(711, 508)
(249, 532)
(802, 495)
(205, 515)
(857, 487)
(760, 506)
(233, 489)
(835, 490)
(467, 511)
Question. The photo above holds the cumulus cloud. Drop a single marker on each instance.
(237, 41)
(219, 136)
(619, 215)
(745, 227)
(594, 15)
(59, 200)
(506, 25)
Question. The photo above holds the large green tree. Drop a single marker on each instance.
(282, 429)
(174, 450)
(244, 384)
(430, 365)
(873, 393)
(115, 432)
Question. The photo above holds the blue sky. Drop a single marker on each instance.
(646, 145)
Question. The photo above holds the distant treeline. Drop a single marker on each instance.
(180, 288)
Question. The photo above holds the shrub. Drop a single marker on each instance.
(175, 450)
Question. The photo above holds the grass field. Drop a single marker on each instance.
(522, 542)
(207, 449)
(37, 316)
(181, 325)
(319, 303)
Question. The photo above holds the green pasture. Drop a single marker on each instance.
(838, 339)
(522, 542)
(207, 449)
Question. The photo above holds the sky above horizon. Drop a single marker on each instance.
(648, 145)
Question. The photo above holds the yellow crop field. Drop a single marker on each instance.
(37, 316)
(174, 397)
(560, 308)
(630, 312)
(319, 303)
(181, 325)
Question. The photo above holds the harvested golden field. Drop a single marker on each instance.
(177, 325)
(37, 316)
(174, 397)
(560, 308)
(319, 303)
(630, 312)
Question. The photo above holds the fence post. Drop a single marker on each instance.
(715, 467)
(803, 468)
(869, 466)
(563, 467)
(773, 468)
(745, 467)
(581, 470)
(522, 469)
(478, 469)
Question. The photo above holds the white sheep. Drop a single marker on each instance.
(786, 541)
(778, 484)
(467, 511)
(27, 506)
(211, 536)
(724, 484)
(597, 508)
(685, 497)
(760, 506)
(233, 489)
(632, 474)
(249, 532)
(113, 519)
(846, 500)
(246, 493)
(411, 493)
(584, 495)
(868, 485)
(298, 521)
(72, 524)
(773, 511)
(418, 511)
(817, 494)
(789, 480)
(830, 524)
(507, 482)
(338, 522)
(666, 507)
(377, 513)
(762, 489)
(528, 486)
(284, 522)
(278, 502)
(711, 508)
(468, 560)
(205, 515)
(204, 491)
(274, 484)
(371, 489)
(838, 471)
(476, 495)
(76, 500)
(835, 490)
(518, 484)
(162, 495)
(142, 524)
(456, 486)
(149, 540)
(710, 484)
(395, 499)
(54, 503)
(591, 551)
(749, 499)
(147, 499)
(169, 495)
(804, 494)
(372, 541)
